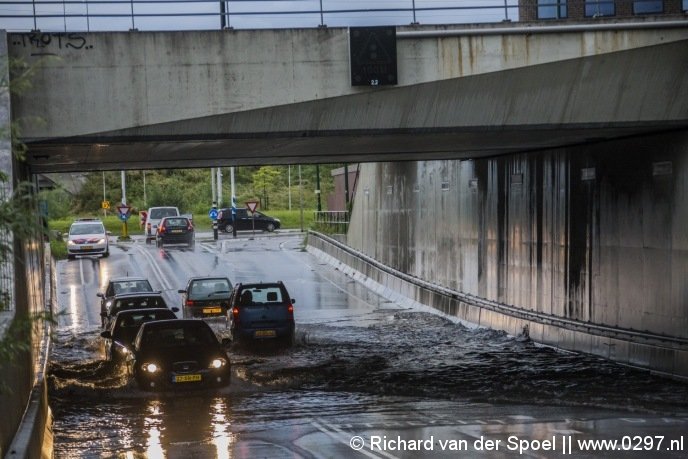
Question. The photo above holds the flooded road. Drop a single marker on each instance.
(361, 366)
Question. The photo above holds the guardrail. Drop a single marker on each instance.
(109, 15)
(332, 220)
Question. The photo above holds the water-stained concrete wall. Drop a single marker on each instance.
(595, 234)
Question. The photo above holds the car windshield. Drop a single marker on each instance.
(138, 302)
(176, 222)
(131, 286)
(87, 228)
(263, 295)
(179, 336)
(163, 212)
(205, 288)
(135, 320)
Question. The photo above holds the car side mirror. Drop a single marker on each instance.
(109, 233)
(100, 295)
(181, 291)
(174, 309)
(106, 334)
(293, 301)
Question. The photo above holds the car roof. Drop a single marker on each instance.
(137, 295)
(131, 312)
(126, 279)
(171, 323)
(260, 285)
(207, 277)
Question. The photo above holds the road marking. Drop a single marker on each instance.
(345, 438)
(154, 266)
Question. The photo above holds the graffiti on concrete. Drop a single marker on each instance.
(50, 41)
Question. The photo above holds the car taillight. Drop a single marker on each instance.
(161, 229)
(189, 302)
(190, 227)
(290, 308)
(235, 312)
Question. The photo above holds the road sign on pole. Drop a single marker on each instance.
(252, 206)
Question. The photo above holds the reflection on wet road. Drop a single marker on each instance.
(360, 364)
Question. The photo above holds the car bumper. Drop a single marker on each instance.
(175, 380)
(92, 249)
(260, 334)
(205, 311)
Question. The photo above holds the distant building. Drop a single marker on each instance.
(338, 199)
(588, 10)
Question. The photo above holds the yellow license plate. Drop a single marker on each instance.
(265, 333)
(176, 231)
(212, 310)
(86, 247)
(187, 378)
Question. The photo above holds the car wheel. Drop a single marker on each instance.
(192, 245)
(71, 257)
(148, 241)
(107, 253)
(270, 227)
(229, 228)
(158, 243)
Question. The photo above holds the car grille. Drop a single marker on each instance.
(185, 367)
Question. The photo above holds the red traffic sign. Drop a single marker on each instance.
(252, 206)
(123, 209)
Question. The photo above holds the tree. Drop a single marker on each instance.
(264, 182)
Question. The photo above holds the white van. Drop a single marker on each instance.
(155, 214)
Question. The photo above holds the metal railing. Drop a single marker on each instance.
(331, 220)
(111, 15)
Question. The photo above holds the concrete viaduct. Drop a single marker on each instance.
(522, 177)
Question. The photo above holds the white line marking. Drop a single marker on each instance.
(344, 438)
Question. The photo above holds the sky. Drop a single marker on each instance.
(116, 15)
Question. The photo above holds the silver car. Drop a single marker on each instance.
(87, 237)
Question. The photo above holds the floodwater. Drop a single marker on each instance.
(369, 359)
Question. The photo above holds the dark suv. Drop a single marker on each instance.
(245, 221)
(262, 312)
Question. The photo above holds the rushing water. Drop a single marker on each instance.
(334, 369)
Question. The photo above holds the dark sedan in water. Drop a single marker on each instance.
(206, 297)
(175, 230)
(125, 326)
(180, 353)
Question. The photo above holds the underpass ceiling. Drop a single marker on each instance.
(544, 106)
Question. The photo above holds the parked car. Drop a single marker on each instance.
(178, 353)
(87, 236)
(127, 301)
(153, 217)
(206, 297)
(119, 337)
(120, 285)
(245, 221)
(262, 311)
(175, 230)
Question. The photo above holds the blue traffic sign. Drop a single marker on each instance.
(212, 214)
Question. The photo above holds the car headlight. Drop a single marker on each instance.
(70, 242)
(150, 367)
(278, 220)
(218, 363)
(101, 241)
(108, 304)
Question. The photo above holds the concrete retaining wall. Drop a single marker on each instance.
(586, 246)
